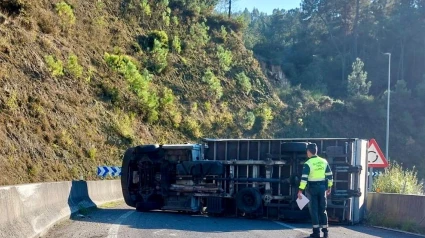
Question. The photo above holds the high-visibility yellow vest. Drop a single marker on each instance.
(317, 170)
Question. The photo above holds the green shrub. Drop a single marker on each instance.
(398, 180)
(244, 82)
(163, 3)
(177, 45)
(224, 119)
(152, 105)
(176, 118)
(166, 19)
(175, 20)
(73, 67)
(169, 107)
(12, 101)
(214, 83)
(223, 32)
(159, 57)
(265, 115)
(123, 125)
(100, 5)
(248, 120)
(166, 16)
(34, 170)
(100, 22)
(92, 153)
(167, 98)
(65, 139)
(158, 49)
(192, 127)
(138, 82)
(146, 8)
(225, 58)
(54, 66)
(194, 6)
(199, 34)
(65, 13)
(160, 36)
(194, 107)
(89, 75)
(207, 107)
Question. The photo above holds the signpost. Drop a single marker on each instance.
(376, 159)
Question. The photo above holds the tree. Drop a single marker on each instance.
(225, 6)
(230, 8)
(357, 85)
(314, 45)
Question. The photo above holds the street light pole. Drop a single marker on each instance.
(388, 107)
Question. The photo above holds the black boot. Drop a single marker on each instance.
(316, 233)
(325, 232)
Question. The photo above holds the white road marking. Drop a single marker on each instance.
(113, 231)
(291, 227)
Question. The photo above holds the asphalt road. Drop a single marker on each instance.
(123, 221)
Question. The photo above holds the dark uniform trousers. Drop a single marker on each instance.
(316, 192)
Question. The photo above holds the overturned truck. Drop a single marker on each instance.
(243, 177)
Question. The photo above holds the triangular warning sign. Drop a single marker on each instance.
(375, 157)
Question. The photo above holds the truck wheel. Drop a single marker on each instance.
(128, 157)
(248, 200)
(294, 146)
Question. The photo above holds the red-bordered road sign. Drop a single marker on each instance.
(375, 157)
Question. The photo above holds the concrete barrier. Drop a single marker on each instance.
(397, 208)
(30, 210)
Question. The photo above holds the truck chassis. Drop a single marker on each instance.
(242, 177)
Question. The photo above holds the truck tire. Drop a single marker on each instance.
(248, 200)
(294, 147)
(128, 157)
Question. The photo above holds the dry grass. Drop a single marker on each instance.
(61, 128)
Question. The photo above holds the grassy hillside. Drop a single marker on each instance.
(81, 81)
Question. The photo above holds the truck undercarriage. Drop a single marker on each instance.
(242, 177)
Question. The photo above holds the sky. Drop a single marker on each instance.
(266, 5)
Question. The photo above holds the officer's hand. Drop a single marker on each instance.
(299, 194)
(328, 192)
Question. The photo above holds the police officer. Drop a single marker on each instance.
(317, 176)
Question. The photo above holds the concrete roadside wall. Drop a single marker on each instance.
(400, 208)
(30, 210)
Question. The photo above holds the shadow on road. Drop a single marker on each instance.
(157, 220)
(79, 199)
(169, 220)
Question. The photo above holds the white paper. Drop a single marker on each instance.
(302, 202)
